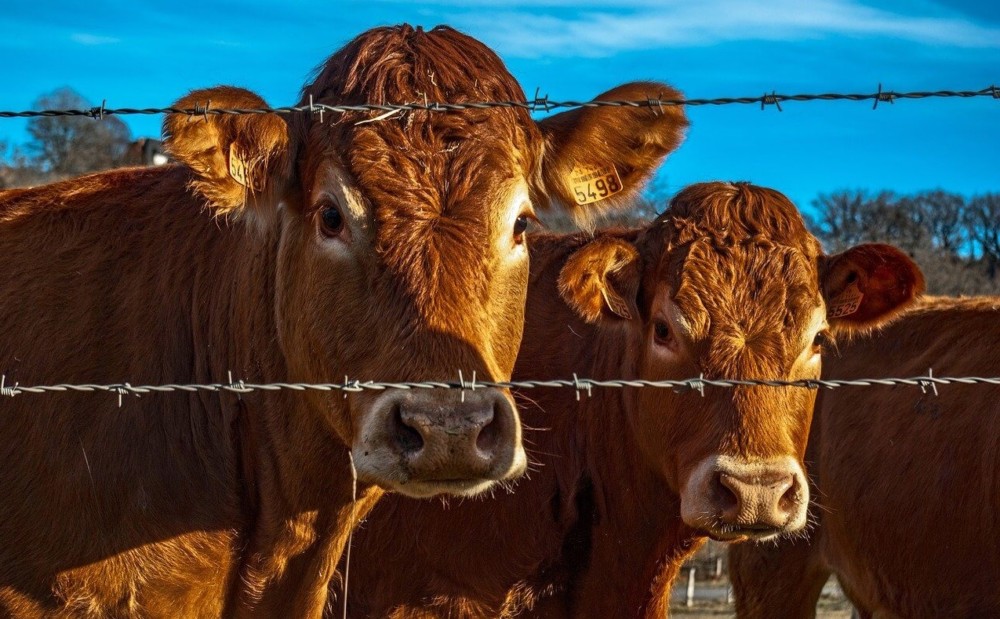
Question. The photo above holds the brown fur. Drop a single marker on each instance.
(596, 529)
(909, 490)
(216, 505)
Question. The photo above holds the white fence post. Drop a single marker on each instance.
(718, 567)
(690, 592)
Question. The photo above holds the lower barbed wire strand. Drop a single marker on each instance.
(575, 384)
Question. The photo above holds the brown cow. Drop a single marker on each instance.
(909, 481)
(626, 483)
(284, 248)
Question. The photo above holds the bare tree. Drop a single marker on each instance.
(72, 145)
(847, 218)
(941, 216)
(983, 215)
(956, 242)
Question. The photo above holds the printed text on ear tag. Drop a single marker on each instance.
(845, 303)
(593, 184)
(237, 167)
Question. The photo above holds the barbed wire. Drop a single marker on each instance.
(580, 385)
(537, 104)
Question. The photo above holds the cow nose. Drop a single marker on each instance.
(756, 500)
(732, 498)
(473, 431)
(422, 444)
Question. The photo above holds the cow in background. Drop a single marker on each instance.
(624, 484)
(908, 501)
(282, 249)
(145, 152)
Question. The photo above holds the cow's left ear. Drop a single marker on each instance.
(601, 280)
(869, 284)
(241, 163)
(601, 157)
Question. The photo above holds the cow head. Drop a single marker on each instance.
(400, 237)
(728, 283)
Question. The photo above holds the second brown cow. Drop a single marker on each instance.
(626, 483)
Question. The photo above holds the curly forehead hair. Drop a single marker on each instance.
(741, 265)
(430, 176)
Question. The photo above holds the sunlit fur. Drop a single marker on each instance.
(908, 489)
(597, 530)
(737, 263)
(199, 504)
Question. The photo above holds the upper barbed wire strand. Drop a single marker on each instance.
(535, 105)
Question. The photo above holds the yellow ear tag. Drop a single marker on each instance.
(594, 183)
(845, 303)
(237, 167)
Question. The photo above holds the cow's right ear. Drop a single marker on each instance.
(242, 164)
(599, 158)
(601, 280)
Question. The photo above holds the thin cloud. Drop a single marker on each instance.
(602, 32)
(85, 38)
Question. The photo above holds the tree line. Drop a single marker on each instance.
(954, 238)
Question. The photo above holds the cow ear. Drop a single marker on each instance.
(600, 157)
(601, 280)
(868, 285)
(241, 163)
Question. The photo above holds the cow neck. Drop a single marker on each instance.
(618, 520)
(637, 538)
(293, 470)
(622, 536)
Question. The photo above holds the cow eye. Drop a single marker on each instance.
(823, 343)
(661, 333)
(333, 220)
(520, 225)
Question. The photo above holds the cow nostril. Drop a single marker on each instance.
(407, 437)
(790, 499)
(725, 496)
(489, 435)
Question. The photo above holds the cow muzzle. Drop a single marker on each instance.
(423, 444)
(733, 499)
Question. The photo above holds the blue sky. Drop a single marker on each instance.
(142, 54)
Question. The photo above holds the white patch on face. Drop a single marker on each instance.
(334, 184)
(518, 204)
(816, 324)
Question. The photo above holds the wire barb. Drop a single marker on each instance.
(928, 383)
(543, 101)
(122, 390)
(656, 103)
(699, 384)
(578, 386)
(5, 390)
(770, 99)
(97, 113)
(239, 387)
(883, 96)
